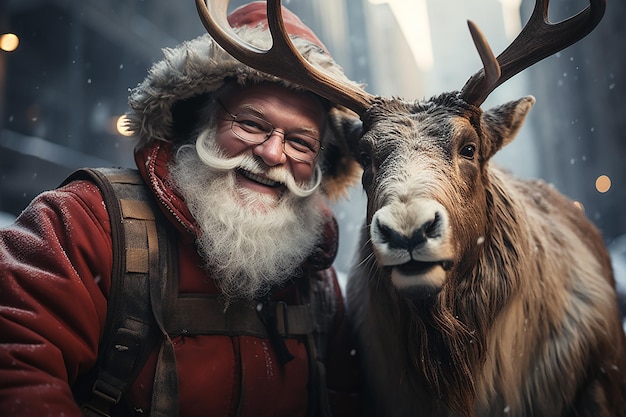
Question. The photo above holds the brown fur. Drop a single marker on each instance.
(525, 322)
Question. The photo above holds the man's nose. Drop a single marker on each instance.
(271, 151)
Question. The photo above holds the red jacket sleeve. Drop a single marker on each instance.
(55, 263)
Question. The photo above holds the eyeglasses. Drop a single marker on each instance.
(253, 129)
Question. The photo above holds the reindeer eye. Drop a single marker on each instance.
(365, 159)
(468, 151)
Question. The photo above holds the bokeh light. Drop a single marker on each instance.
(603, 183)
(9, 42)
(121, 126)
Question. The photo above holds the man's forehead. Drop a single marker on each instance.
(259, 97)
(264, 89)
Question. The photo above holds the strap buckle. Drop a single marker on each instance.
(89, 410)
(107, 392)
(104, 397)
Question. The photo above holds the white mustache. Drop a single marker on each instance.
(215, 159)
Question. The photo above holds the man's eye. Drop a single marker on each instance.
(251, 125)
(302, 143)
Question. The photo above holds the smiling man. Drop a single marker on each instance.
(251, 179)
(240, 166)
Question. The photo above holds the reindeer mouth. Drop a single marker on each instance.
(418, 267)
(413, 275)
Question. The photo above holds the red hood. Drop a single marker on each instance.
(152, 162)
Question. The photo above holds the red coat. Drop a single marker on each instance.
(55, 266)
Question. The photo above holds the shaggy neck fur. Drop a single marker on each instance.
(503, 330)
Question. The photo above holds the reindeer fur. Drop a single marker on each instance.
(525, 322)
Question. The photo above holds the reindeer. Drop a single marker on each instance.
(475, 293)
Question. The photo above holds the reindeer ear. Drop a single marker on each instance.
(340, 166)
(503, 122)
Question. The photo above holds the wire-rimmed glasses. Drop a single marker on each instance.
(253, 129)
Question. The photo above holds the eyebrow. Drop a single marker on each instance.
(249, 108)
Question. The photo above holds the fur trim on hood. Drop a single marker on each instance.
(194, 70)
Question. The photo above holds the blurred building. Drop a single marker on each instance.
(67, 82)
(579, 120)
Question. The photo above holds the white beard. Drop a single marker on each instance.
(249, 241)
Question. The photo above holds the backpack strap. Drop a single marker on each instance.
(321, 299)
(142, 262)
(209, 314)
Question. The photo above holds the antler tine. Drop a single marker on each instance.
(491, 67)
(538, 39)
(283, 59)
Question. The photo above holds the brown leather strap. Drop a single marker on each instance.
(165, 388)
(141, 254)
(195, 315)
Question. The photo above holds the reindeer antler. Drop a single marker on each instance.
(538, 39)
(282, 59)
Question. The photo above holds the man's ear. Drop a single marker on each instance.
(339, 164)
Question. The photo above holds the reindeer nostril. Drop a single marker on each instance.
(391, 237)
(431, 229)
(383, 231)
